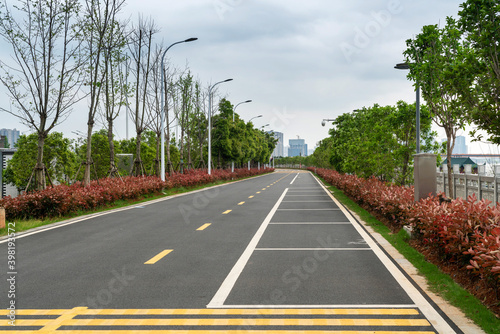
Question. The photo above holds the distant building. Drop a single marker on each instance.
(279, 150)
(460, 146)
(298, 147)
(12, 136)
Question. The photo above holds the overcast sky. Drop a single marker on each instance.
(299, 61)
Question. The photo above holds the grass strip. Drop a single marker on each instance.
(439, 282)
(25, 225)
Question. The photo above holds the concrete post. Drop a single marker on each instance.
(425, 175)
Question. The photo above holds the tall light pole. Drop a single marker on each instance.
(163, 107)
(210, 124)
(405, 66)
(234, 110)
(254, 118)
(424, 164)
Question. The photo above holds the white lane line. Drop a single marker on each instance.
(333, 209)
(294, 178)
(329, 201)
(313, 249)
(307, 195)
(426, 308)
(355, 306)
(311, 223)
(228, 284)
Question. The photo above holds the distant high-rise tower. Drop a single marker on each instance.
(460, 146)
(12, 136)
(279, 150)
(298, 147)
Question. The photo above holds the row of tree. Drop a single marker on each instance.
(237, 142)
(457, 67)
(66, 51)
(376, 141)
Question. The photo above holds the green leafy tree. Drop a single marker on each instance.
(221, 141)
(480, 22)
(437, 64)
(59, 159)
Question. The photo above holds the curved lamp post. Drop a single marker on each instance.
(234, 109)
(254, 118)
(210, 124)
(163, 107)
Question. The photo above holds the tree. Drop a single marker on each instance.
(102, 37)
(43, 79)
(58, 157)
(221, 142)
(141, 50)
(480, 22)
(436, 58)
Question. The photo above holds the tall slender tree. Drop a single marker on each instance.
(43, 78)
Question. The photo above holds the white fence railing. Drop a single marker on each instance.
(466, 184)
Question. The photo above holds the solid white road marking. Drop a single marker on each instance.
(226, 287)
(294, 178)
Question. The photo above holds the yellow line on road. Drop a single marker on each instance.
(204, 311)
(263, 188)
(202, 227)
(241, 203)
(250, 196)
(238, 322)
(158, 257)
(226, 212)
(258, 192)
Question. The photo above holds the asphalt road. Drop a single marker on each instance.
(272, 253)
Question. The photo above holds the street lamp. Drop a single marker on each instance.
(234, 109)
(323, 123)
(163, 107)
(405, 66)
(210, 124)
(424, 164)
(254, 117)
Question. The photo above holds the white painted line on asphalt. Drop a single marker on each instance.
(294, 178)
(426, 308)
(228, 284)
(355, 306)
(307, 195)
(311, 223)
(313, 249)
(333, 209)
(306, 201)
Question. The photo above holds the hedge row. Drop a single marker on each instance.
(62, 200)
(466, 232)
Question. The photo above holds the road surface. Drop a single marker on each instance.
(271, 254)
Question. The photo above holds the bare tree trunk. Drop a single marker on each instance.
(450, 144)
(88, 161)
(40, 167)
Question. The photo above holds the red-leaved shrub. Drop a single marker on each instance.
(63, 199)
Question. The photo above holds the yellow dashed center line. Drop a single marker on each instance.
(158, 257)
(241, 203)
(263, 188)
(226, 212)
(250, 196)
(258, 192)
(202, 227)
